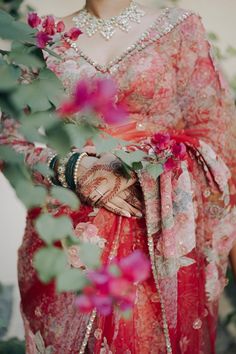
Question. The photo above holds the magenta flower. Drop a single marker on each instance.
(34, 20)
(42, 39)
(60, 27)
(135, 267)
(120, 287)
(103, 304)
(100, 278)
(84, 303)
(49, 25)
(113, 285)
(98, 95)
(161, 141)
(73, 33)
(179, 151)
(170, 164)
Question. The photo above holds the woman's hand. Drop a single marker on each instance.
(101, 182)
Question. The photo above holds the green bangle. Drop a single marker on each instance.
(77, 167)
(52, 164)
(69, 172)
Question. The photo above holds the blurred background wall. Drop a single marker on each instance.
(218, 16)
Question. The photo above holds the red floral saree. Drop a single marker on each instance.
(169, 81)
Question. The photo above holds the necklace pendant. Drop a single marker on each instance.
(107, 27)
(107, 31)
(91, 29)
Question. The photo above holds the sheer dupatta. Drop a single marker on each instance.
(191, 216)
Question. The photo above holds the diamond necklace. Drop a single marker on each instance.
(107, 27)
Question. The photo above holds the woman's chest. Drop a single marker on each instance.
(145, 78)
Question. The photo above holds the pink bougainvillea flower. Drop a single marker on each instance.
(100, 279)
(161, 141)
(60, 27)
(34, 20)
(114, 284)
(135, 267)
(170, 164)
(67, 108)
(73, 33)
(84, 303)
(98, 95)
(127, 302)
(103, 304)
(42, 39)
(179, 151)
(49, 25)
(119, 286)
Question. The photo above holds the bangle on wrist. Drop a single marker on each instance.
(62, 169)
(75, 174)
(69, 172)
(52, 164)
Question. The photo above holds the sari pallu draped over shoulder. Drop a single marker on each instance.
(172, 84)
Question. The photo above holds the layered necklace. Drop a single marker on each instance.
(91, 24)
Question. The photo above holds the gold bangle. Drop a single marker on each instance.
(62, 169)
(77, 166)
(49, 161)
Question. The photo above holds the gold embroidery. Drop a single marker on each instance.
(155, 275)
(94, 312)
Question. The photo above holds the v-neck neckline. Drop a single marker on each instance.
(125, 52)
(139, 43)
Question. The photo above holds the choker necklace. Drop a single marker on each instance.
(107, 27)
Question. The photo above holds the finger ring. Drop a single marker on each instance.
(99, 192)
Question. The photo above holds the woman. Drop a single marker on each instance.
(169, 81)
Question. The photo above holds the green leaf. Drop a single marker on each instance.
(32, 134)
(42, 94)
(105, 143)
(49, 263)
(52, 86)
(46, 120)
(155, 170)
(231, 51)
(72, 240)
(90, 254)
(30, 194)
(71, 280)
(79, 134)
(136, 166)
(65, 196)
(130, 157)
(43, 169)
(58, 138)
(213, 36)
(52, 229)
(15, 30)
(9, 75)
(28, 55)
(52, 53)
(15, 173)
(8, 154)
(7, 106)
(33, 96)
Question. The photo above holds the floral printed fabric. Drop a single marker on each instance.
(173, 84)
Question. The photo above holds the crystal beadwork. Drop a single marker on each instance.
(106, 27)
(159, 24)
(197, 324)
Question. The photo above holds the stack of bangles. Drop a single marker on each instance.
(65, 169)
